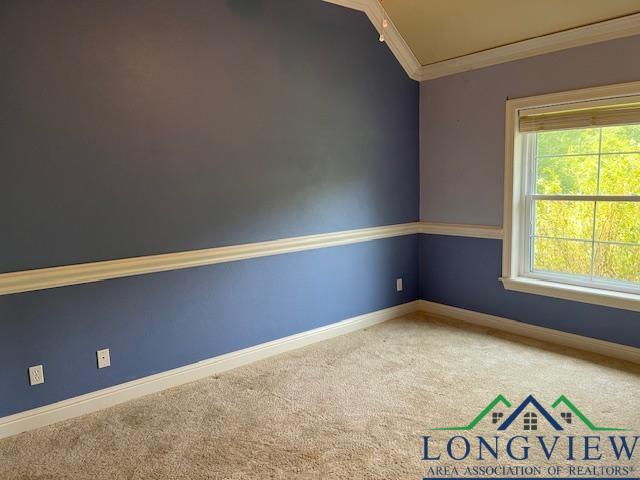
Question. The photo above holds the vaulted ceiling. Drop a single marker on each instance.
(439, 30)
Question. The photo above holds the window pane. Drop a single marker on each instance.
(569, 142)
(618, 222)
(566, 219)
(624, 138)
(591, 161)
(617, 262)
(562, 256)
(620, 174)
(567, 175)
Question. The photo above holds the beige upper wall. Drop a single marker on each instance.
(439, 30)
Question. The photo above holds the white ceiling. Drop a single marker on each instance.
(439, 30)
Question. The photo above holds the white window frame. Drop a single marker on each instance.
(515, 261)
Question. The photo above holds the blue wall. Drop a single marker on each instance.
(145, 127)
(160, 125)
(462, 181)
(462, 123)
(157, 322)
(464, 272)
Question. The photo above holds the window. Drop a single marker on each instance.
(530, 421)
(567, 416)
(496, 416)
(583, 204)
(572, 196)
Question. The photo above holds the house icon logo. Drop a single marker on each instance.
(529, 414)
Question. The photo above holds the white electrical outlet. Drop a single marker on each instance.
(104, 358)
(399, 284)
(36, 375)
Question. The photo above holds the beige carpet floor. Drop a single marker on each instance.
(354, 407)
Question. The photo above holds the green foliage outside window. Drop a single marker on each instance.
(588, 238)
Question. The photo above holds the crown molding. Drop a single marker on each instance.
(375, 12)
(576, 37)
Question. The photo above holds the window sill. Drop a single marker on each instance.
(596, 296)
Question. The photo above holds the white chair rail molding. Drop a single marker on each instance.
(65, 275)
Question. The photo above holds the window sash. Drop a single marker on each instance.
(529, 235)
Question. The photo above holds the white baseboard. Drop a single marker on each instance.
(91, 402)
(108, 397)
(609, 349)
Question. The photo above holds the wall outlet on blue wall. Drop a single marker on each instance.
(36, 375)
(104, 358)
(399, 284)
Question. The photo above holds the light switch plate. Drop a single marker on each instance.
(104, 358)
